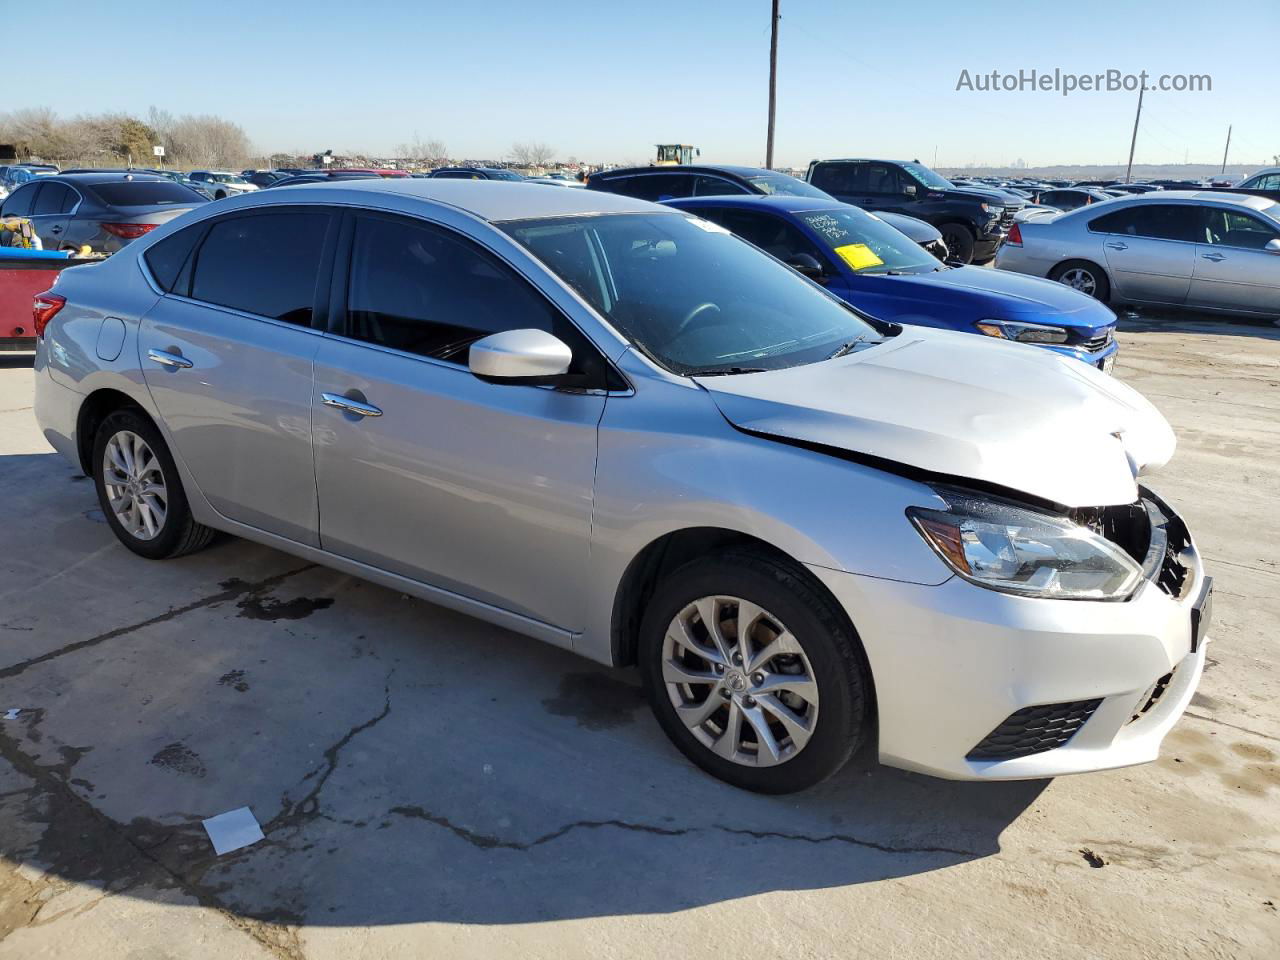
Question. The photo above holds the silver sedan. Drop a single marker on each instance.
(1209, 251)
(620, 429)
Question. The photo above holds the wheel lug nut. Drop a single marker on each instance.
(726, 693)
(749, 701)
(737, 658)
(719, 668)
(757, 678)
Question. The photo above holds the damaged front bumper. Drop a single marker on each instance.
(973, 684)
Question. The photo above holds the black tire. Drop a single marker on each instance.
(180, 533)
(1101, 286)
(834, 652)
(959, 240)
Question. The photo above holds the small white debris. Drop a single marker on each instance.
(487, 768)
(233, 830)
(12, 713)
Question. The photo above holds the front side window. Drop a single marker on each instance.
(265, 264)
(1227, 228)
(690, 295)
(425, 290)
(706, 186)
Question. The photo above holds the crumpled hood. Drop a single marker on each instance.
(965, 406)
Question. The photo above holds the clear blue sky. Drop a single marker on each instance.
(606, 79)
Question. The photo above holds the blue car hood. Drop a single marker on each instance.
(1005, 296)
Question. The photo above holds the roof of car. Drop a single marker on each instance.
(1237, 199)
(490, 200)
(688, 168)
(773, 201)
(108, 176)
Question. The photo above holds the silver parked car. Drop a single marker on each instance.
(101, 211)
(221, 184)
(1206, 250)
(618, 428)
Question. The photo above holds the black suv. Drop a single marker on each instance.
(708, 180)
(973, 221)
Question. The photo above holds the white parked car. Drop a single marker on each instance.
(221, 184)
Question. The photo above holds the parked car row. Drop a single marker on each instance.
(617, 427)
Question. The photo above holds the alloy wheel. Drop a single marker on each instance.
(1078, 278)
(135, 485)
(740, 681)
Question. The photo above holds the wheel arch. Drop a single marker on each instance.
(97, 406)
(1064, 264)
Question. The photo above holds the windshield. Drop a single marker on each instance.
(1271, 210)
(690, 295)
(787, 186)
(226, 178)
(926, 176)
(866, 244)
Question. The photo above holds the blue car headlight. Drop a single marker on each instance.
(1022, 332)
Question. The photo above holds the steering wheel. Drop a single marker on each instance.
(693, 315)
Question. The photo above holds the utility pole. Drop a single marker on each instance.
(1128, 174)
(1225, 149)
(773, 83)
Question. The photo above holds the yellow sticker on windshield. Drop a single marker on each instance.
(858, 255)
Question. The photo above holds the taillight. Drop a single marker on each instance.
(128, 231)
(44, 308)
(1015, 236)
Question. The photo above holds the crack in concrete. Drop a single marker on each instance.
(1233, 726)
(230, 592)
(486, 841)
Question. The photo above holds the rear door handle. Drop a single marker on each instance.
(168, 359)
(349, 405)
(1215, 257)
(1118, 246)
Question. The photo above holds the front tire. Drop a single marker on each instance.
(754, 673)
(959, 239)
(139, 489)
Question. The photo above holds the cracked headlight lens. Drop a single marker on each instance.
(1015, 550)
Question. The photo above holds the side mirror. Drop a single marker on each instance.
(909, 190)
(532, 357)
(806, 265)
(1272, 246)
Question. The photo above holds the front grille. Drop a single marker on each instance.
(1097, 343)
(1034, 730)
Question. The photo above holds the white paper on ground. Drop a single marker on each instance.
(233, 830)
(12, 713)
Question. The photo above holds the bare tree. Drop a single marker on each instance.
(209, 141)
(532, 153)
(422, 151)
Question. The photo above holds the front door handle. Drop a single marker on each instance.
(1118, 246)
(349, 405)
(169, 359)
(1215, 257)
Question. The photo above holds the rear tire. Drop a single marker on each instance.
(140, 491)
(959, 239)
(819, 663)
(1083, 276)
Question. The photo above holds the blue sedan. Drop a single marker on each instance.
(863, 260)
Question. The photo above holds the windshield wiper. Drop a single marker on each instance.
(726, 371)
(847, 348)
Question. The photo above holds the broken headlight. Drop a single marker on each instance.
(1013, 549)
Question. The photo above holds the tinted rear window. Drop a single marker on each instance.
(264, 264)
(144, 193)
